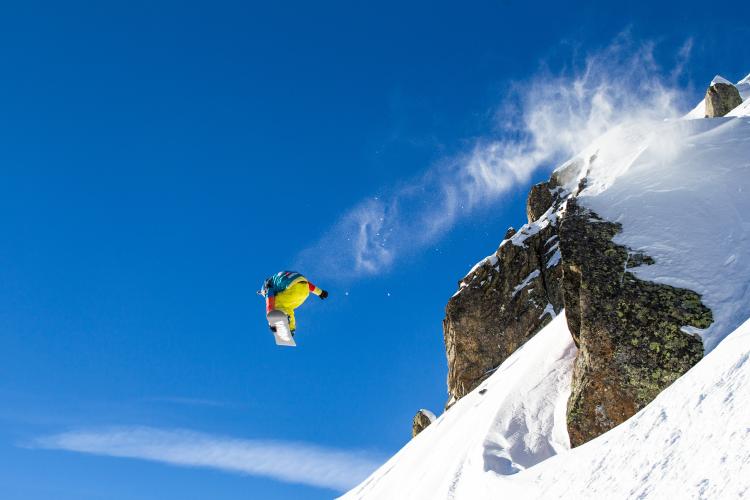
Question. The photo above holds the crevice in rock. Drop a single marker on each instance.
(540, 254)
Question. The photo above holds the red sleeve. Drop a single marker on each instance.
(270, 304)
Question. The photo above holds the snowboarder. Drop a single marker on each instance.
(286, 291)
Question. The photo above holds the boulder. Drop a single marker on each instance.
(721, 98)
(421, 420)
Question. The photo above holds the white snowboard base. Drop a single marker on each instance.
(283, 335)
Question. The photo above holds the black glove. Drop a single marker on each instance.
(323, 295)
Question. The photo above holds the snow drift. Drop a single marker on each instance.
(513, 420)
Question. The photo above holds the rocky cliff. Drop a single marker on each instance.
(629, 332)
(507, 297)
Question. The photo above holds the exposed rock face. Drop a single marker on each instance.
(506, 298)
(421, 420)
(628, 331)
(721, 98)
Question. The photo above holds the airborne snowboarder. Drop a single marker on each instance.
(284, 292)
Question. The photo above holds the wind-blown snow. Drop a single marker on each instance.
(513, 420)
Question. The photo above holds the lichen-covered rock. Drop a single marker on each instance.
(721, 98)
(421, 420)
(628, 331)
(506, 298)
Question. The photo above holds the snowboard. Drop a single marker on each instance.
(280, 322)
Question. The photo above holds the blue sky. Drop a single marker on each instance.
(159, 159)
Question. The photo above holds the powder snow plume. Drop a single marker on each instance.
(541, 122)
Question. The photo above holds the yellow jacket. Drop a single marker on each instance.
(291, 298)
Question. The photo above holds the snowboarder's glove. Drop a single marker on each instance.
(323, 295)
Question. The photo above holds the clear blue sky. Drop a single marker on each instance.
(159, 159)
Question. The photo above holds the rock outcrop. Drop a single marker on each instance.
(721, 98)
(507, 297)
(421, 420)
(628, 331)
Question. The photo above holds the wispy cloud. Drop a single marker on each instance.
(291, 462)
(542, 122)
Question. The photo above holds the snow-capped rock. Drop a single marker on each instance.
(700, 110)
(421, 420)
(721, 98)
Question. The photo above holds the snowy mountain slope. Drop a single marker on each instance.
(513, 420)
(690, 442)
(743, 109)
